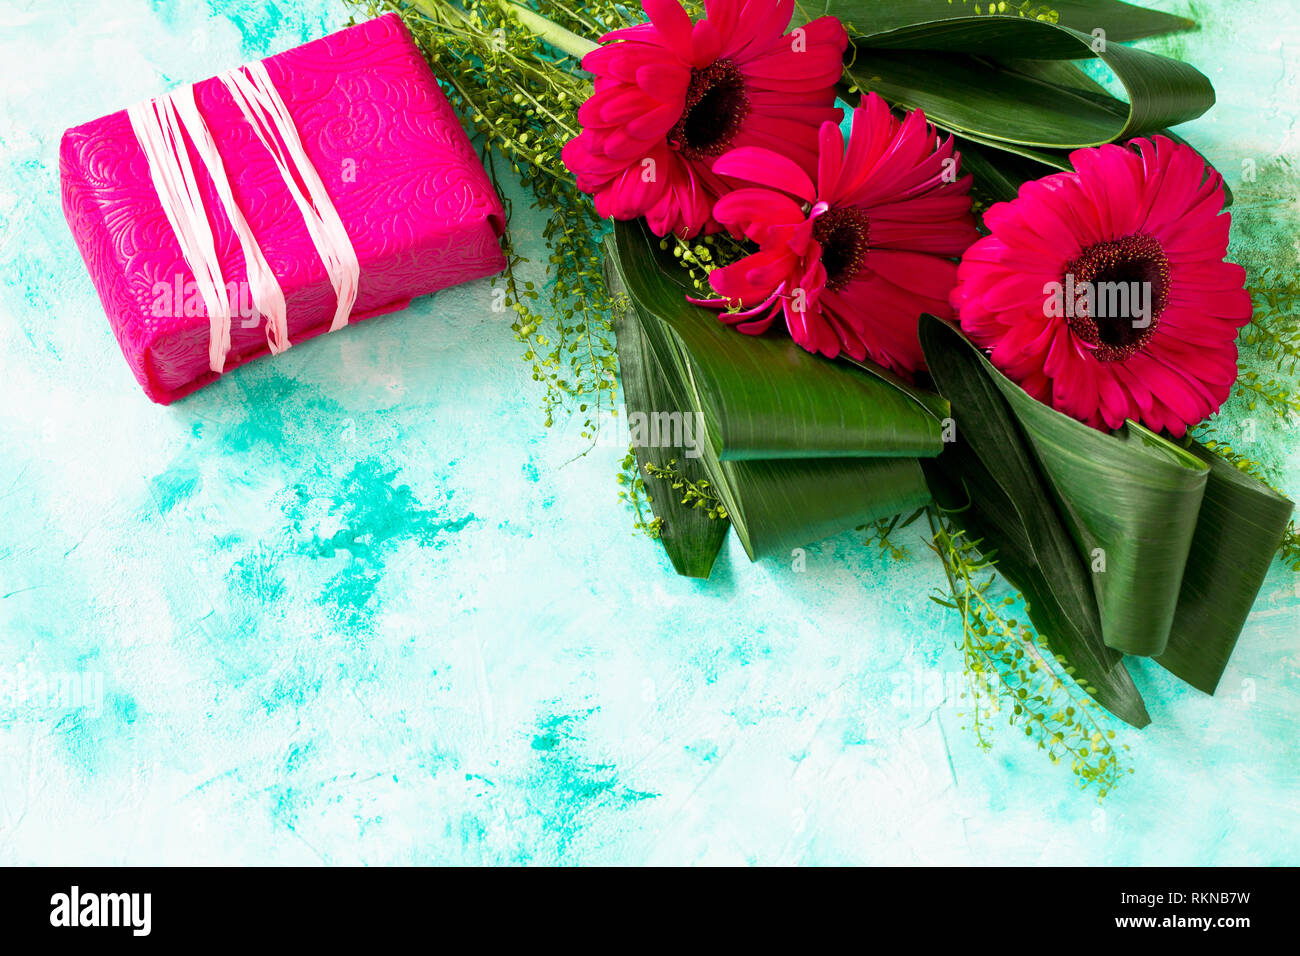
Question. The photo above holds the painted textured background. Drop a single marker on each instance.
(351, 605)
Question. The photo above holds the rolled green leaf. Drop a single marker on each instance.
(1175, 541)
(1130, 501)
(998, 174)
(690, 537)
(940, 67)
(1238, 531)
(780, 504)
(1121, 21)
(764, 397)
(992, 476)
(800, 447)
(1001, 167)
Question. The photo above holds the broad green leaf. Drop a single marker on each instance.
(1121, 21)
(1046, 161)
(1000, 169)
(1239, 529)
(992, 475)
(998, 174)
(765, 400)
(782, 503)
(941, 67)
(689, 536)
(763, 396)
(1185, 538)
(1003, 76)
(1038, 162)
(1065, 73)
(1130, 501)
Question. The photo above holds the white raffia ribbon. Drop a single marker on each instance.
(266, 113)
(159, 127)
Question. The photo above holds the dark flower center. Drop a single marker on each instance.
(842, 234)
(1115, 292)
(716, 106)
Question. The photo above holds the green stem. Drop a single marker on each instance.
(551, 33)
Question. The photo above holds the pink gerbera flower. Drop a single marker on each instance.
(1104, 291)
(672, 96)
(852, 261)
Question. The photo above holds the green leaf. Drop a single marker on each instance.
(991, 475)
(1173, 541)
(1130, 501)
(689, 536)
(764, 396)
(1121, 21)
(1001, 166)
(941, 67)
(998, 174)
(1239, 529)
(800, 447)
(781, 504)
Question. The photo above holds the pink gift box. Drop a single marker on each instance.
(414, 199)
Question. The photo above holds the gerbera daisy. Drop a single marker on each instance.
(853, 261)
(672, 96)
(1104, 292)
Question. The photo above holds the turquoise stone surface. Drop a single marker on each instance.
(356, 605)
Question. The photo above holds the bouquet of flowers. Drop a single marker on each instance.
(883, 262)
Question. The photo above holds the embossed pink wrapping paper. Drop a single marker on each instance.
(413, 196)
